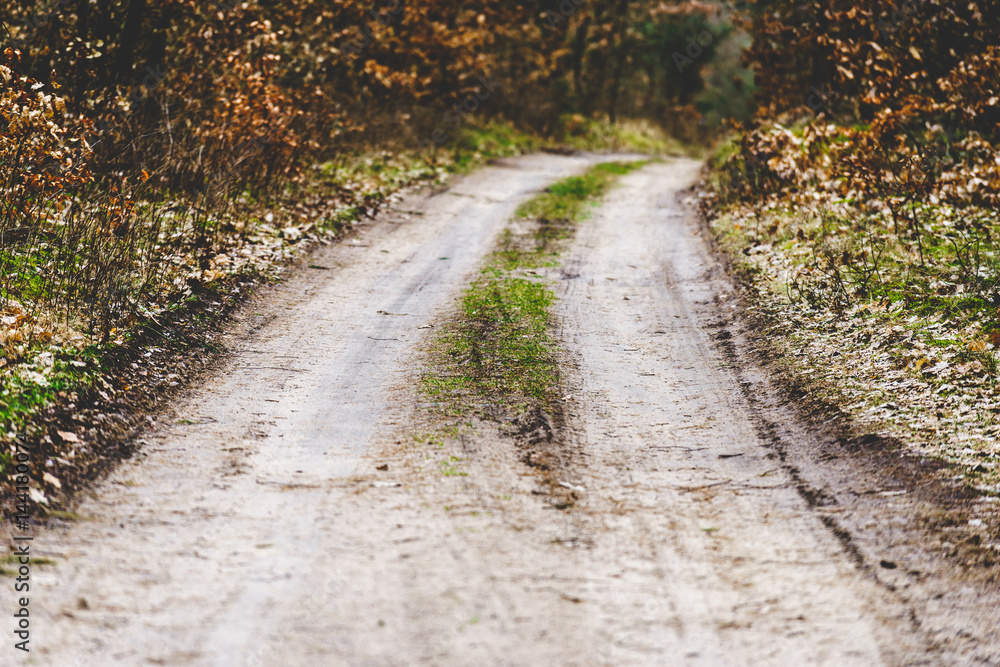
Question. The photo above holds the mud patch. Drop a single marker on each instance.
(541, 442)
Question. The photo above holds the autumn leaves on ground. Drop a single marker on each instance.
(161, 161)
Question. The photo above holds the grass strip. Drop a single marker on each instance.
(497, 359)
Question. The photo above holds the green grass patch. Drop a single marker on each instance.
(579, 132)
(26, 389)
(500, 346)
(497, 358)
(570, 197)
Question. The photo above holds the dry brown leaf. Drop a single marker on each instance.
(977, 345)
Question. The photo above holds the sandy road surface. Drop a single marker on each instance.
(256, 529)
(744, 572)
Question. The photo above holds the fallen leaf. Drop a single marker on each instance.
(67, 436)
(977, 345)
(940, 366)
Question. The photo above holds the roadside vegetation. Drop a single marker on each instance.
(496, 359)
(860, 207)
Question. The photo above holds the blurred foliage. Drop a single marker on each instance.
(137, 138)
(891, 101)
(201, 92)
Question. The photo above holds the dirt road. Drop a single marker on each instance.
(256, 527)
